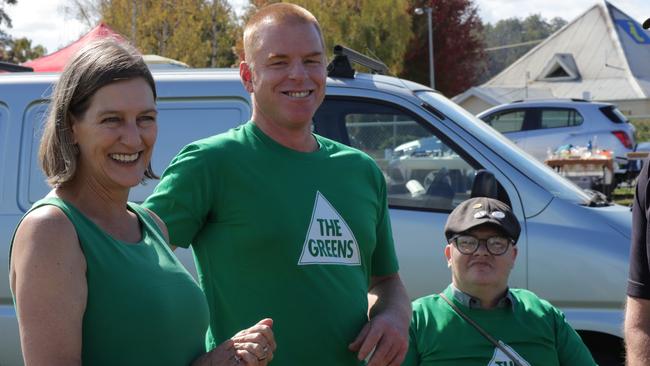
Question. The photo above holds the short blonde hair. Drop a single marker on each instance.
(96, 65)
(285, 13)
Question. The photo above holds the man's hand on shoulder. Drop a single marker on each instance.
(385, 336)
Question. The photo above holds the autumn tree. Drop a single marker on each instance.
(457, 44)
(378, 28)
(516, 37)
(200, 33)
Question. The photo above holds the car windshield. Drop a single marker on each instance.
(522, 161)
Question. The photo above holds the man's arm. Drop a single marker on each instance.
(183, 197)
(387, 331)
(637, 331)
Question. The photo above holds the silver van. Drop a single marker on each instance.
(573, 248)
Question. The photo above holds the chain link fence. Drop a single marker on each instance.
(380, 135)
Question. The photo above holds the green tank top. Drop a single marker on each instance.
(143, 307)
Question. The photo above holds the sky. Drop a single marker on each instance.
(45, 23)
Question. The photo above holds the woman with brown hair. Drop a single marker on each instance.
(93, 278)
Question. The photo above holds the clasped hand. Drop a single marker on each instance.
(253, 346)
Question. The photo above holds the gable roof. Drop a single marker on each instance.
(604, 52)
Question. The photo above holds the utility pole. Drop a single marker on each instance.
(134, 19)
(429, 11)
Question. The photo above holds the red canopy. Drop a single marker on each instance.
(55, 62)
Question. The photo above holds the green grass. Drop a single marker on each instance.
(642, 129)
(623, 195)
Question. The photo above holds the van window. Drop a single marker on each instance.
(553, 118)
(422, 170)
(4, 144)
(4, 115)
(34, 120)
(509, 121)
(179, 123)
(182, 122)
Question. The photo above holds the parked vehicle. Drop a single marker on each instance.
(541, 126)
(573, 248)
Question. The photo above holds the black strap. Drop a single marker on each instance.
(499, 344)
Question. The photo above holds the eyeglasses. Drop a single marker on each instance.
(467, 244)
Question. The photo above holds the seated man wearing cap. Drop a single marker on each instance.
(512, 326)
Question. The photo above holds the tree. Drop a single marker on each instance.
(200, 33)
(86, 11)
(20, 50)
(457, 44)
(373, 27)
(512, 32)
(4, 18)
(15, 50)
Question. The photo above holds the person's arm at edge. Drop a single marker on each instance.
(387, 330)
(637, 331)
(637, 310)
(48, 278)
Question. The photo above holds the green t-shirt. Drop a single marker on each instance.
(283, 234)
(532, 327)
(143, 307)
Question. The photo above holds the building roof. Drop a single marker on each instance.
(603, 53)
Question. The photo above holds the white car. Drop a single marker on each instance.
(541, 126)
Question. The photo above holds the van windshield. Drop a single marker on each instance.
(495, 141)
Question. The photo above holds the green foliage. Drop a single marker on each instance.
(642, 129)
(200, 33)
(20, 50)
(512, 31)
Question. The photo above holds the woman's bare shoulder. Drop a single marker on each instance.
(47, 229)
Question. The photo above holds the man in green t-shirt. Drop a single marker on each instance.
(287, 224)
(524, 330)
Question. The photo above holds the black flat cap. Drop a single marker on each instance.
(482, 210)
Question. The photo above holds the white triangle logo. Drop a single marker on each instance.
(501, 359)
(329, 239)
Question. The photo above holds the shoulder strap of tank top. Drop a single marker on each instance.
(146, 216)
